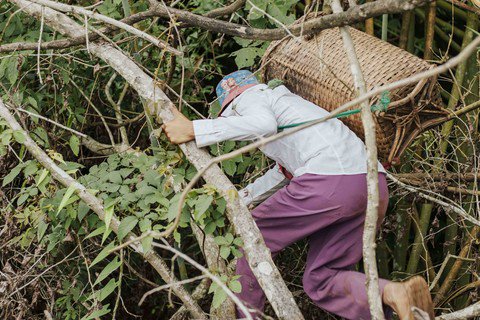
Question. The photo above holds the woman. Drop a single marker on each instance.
(319, 191)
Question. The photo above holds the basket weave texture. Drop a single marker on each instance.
(317, 68)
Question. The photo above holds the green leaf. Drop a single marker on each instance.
(12, 71)
(41, 228)
(96, 232)
(108, 216)
(210, 227)
(82, 210)
(224, 252)
(237, 253)
(42, 176)
(218, 297)
(221, 205)
(103, 254)
(107, 290)
(245, 57)
(127, 225)
(147, 243)
(235, 286)
(115, 177)
(19, 136)
(66, 197)
(220, 240)
(229, 167)
(30, 169)
(229, 238)
(112, 266)
(74, 143)
(238, 242)
(97, 313)
(12, 175)
(202, 204)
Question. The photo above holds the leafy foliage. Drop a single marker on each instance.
(52, 233)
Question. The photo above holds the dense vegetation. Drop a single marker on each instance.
(54, 251)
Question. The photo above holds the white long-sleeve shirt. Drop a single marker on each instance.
(328, 148)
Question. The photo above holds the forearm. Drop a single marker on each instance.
(263, 187)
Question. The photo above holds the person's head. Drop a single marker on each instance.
(232, 85)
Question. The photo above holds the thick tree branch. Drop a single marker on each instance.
(159, 105)
(97, 206)
(87, 13)
(349, 17)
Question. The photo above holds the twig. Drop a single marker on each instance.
(116, 108)
(78, 133)
(38, 48)
(442, 267)
(90, 103)
(444, 204)
(214, 278)
(169, 285)
(87, 13)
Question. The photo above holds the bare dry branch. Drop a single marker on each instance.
(79, 10)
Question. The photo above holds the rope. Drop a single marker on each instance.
(381, 106)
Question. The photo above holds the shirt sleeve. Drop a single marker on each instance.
(263, 187)
(254, 120)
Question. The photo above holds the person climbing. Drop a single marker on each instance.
(316, 190)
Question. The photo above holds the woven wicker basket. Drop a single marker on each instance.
(317, 68)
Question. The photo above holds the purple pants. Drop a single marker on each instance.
(330, 211)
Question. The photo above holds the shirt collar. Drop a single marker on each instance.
(229, 110)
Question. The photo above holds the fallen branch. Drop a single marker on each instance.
(349, 17)
(97, 206)
(444, 204)
(467, 313)
(370, 225)
(160, 106)
(100, 17)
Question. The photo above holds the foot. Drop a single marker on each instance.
(403, 296)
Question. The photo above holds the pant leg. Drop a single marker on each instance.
(334, 250)
(291, 214)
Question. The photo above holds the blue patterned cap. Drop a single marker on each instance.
(233, 85)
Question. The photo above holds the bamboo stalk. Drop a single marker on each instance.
(450, 8)
(406, 18)
(452, 275)
(369, 29)
(420, 232)
(402, 235)
(472, 24)
(411, 35)
(430, 30)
